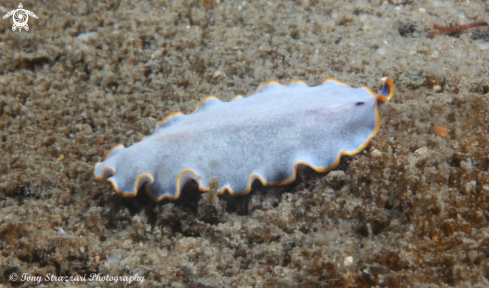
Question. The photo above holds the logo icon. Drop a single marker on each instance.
(20, 17)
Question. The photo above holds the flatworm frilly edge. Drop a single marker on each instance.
(176, 153)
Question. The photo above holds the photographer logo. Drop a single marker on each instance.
(20, 17)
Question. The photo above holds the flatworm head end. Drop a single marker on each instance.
(387, 91)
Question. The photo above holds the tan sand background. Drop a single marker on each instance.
(410, 210)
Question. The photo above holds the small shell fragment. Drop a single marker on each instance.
(376, 153)
(421, 151)
(437, 88)
(441, 131)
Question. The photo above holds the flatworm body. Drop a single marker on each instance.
(263, 136)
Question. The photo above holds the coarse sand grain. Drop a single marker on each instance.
(411, 210)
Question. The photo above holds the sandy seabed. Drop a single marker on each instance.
(411, 210)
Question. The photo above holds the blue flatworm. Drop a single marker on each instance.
(263, 136)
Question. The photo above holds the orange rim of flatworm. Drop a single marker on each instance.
(112, 150)
(381, 98)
